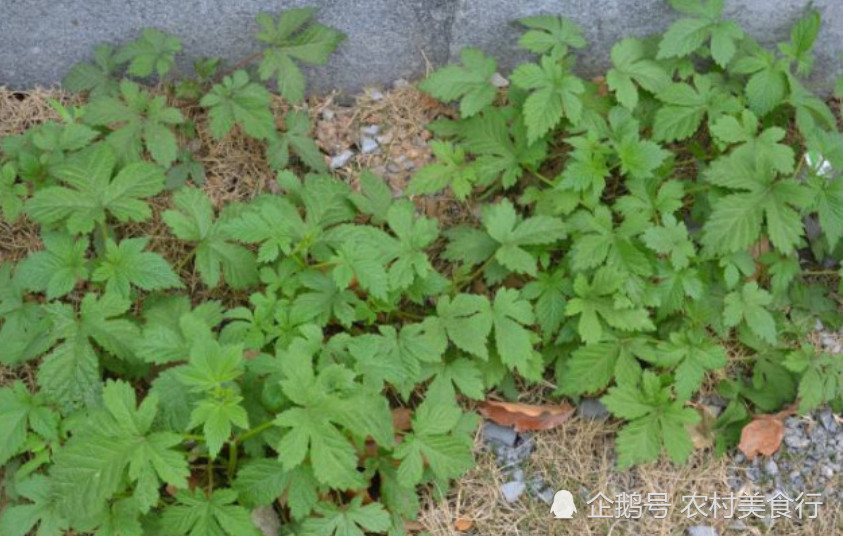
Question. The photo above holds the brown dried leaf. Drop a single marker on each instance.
(463, 524)
(526, 416)
(762, 436)
(401, 418)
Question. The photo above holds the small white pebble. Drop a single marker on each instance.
(368, 145)
(371, 130)
(498, 80)
(341, 159)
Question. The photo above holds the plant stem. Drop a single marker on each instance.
(185, 260)
(104, 229)
(252, 432)
(233, 449)
(239, 65)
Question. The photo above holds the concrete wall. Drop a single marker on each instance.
(387, 39)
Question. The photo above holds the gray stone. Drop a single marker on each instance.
(266, 519)
(592, 408)
(368, 145)
(370, 130)
(387, 39)
(771, 468)
(701, 530)
(796, 440)
(827, 420)
(502, 435)
(512, 490)
(341, 159)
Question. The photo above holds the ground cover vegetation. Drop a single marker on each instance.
(313, 349)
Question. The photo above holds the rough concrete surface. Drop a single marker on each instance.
(387, 39)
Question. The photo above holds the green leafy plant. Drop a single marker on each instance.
(194, 360)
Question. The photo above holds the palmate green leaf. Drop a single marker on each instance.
(262, 481)
(12, 193)
(326, 407)
(693, 353)
(363, 253)
(498, 140)
(768, 85)
(511, 317)
(650, 199)
(92, 193)
(467, 320)
(599, 242)
(41, 512)
(632, 69)
(121, 519)
(434, 443)
(555, 93)
(588, 167)
(199, 514)
(671, 238)
(470, 83)
(655, 422)
(375, 197)
(461, 374)
(414, 236)
(687, 35)
(218, 415)
(551, 35)
(685, 106)
(296, 137)
(171, 327)
(763, 150)
(212, 365)
(512, 233)
(294, 38)
(452, 170)
(592, 367)
(350, 520)
(273, 222)
(57, 268)
(638, 158)
(126, 264)
(821, 376)
(20, 411)
(549, 292)
(137, 120)
(596, 307)
(803, 34)
(323, 300)
(69, 374)
(749, 305)
(97, 78)
(828, 203)
(26, 330)
(215, 255)
(153, 51)
(116, 447)
(236, 100)
(736, 220)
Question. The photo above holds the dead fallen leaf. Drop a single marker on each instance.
(762, 436)
(526, 416)
(702, 433)
(413, 526)
(401, 418)
(463, 524)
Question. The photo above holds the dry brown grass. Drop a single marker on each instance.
(579, 457)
